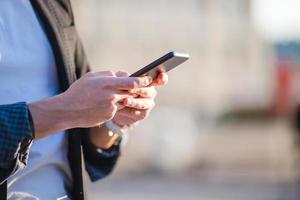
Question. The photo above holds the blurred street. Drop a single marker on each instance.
(189, 188)
(223, 126)
(256, 165)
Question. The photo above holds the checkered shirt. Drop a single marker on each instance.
(16, 136)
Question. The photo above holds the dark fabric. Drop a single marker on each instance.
(3, 191)
(99, 163)
(16, 136)
(71, 62)
(58, 20)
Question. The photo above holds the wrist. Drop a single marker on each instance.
(50, 116)
(116, 128)
(102, 137)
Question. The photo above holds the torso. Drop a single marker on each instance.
(28, 73)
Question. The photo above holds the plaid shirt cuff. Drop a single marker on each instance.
(16, 136)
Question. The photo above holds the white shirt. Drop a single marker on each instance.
(28, 73)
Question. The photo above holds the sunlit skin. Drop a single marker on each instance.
(93, 99)
(133, 110)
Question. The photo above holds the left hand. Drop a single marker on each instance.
(139, 106)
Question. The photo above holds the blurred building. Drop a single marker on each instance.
(231, 68)
(229, 65)
(288, 62)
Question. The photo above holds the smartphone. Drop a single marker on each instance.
(163, 64)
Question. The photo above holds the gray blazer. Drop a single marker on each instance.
(58, 21)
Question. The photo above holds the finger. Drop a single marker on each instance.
(117, 97)
(103, 73)
(122, 74)
(120, 106)
(134, 113)
(120, 96)
(139, 103)
(128, 83)
(162, 79)
(148, 92)
(131, 115)
(122, 120)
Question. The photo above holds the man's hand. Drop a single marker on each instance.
(140, 103)
(132, 109)
(96, 96)
(89, 102)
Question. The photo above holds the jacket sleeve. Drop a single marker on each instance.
(16, 136)
(81, 62)
(98, 163)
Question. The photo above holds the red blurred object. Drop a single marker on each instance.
(284, 86)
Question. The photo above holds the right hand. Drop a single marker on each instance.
(92, 100)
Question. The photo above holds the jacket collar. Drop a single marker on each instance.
(47, 13)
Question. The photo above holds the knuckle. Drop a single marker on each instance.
(137, 82)
(111, 110)
(105, 84)
(111, 98)
(131, 84)
(125, 73)
(109, 73)
(122, 73)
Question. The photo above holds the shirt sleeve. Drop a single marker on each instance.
(99, 163)
(16, 136)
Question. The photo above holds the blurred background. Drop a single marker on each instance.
(225, 127)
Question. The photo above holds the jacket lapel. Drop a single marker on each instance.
(58, 38)
(46, 12)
